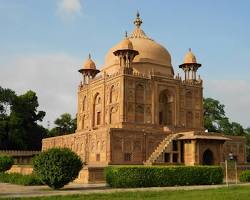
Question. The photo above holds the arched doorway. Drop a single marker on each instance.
(166, 108)
(208, 158)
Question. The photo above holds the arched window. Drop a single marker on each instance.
(139, 100)
(111, 94)
(112, 117)
(189, 119)
(197, 120)
(139, 93)
(166, 108)
(99, 100)
(83, 121)
(189, 99)
(97, 110)
(84, 104)
(139, 113)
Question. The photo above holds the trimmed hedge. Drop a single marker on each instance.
(6, 162)
(245, 176)
(20, 179)
(57, 167)
(159, 176)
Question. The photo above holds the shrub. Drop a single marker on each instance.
(20, 179)
(57, 167)
(245, 176)
(153, 176)
(5, 162)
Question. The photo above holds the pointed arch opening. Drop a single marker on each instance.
(208, 157)
(83, 121)
(113, 115)
(166, 108)
(97, 110)
(139, 94)
(188, 97)
(84, 104)
(112, 94)
(189, 119)
(139, 114)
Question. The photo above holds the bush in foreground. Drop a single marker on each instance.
(6, 162)
(157, 176)
(245, 176)
(57, 167)
(20, 179)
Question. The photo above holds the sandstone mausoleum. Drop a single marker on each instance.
(136, 110)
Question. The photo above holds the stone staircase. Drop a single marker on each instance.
(160, 148)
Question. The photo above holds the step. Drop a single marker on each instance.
(159, 149)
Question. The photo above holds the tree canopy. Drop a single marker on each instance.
(65, 124)
(215, 119)
(18, 121)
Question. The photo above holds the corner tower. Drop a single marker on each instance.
(190, 66)
(126, 53)
(89, 70)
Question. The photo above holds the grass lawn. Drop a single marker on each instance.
(234, 193)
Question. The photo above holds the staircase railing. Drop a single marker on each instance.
(160, 149)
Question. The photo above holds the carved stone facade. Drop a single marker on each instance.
(128, 111)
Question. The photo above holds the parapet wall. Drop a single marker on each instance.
(236, 146)
(76, 142)
(91, 146)
(19, 153)
(20, 157)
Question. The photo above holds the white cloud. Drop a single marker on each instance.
(234, 94)
(53, 77)
(69, 8)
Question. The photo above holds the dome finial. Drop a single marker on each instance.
(138, 20)
(189, 49)
(89, 56)
(137, 13)
(126, 34)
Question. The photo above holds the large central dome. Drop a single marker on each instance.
(152, 56)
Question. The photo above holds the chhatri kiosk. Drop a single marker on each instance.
(135, 110)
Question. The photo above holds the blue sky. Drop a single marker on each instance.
(43, 43)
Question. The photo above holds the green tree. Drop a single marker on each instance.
(57, 167)
(5, 162)
(213, 114)
(7, 97)
(65, 124)
(215, 119)
(247, 130)
(224, 126)
(18, 121)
